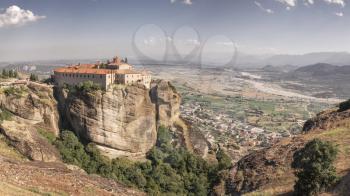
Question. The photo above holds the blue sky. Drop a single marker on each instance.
(68, 29)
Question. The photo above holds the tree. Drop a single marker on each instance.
(344, 106)
(33, 77)
(314, 167)
(224, 161)
(126, 60)
(5, 73)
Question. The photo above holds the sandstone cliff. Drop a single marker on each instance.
(122, 121)
(167, 102)
(25, 109)
(268, 171)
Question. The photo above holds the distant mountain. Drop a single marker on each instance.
(284, 68)
(324, 69)
(335, 58)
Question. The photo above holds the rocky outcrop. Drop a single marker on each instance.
(261, 167)
(33, 102)
(270, 168)
(26, 109)
(40, 178)
(28, 142)
(327, 120)
(167, 102)
(121, 122)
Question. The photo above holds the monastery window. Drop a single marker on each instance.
(100, 76)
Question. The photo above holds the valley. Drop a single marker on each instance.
(241, 110)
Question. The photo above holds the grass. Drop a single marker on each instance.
(9, 189)
(37, 191)
(8, 151)
(5, 115)
(47, 135)
(13, 91)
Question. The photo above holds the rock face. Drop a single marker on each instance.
(270, 168)
(122, 121)
(327, 120)
(29, 108)
(167, 102)
(28, 142)
(261, 167)
(33, 102)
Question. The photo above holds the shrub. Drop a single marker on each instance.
(87, 86)
(5, 115)
(33, 77)
(72, 150)
(344, 106)
(18, 92)
(47, 134)
(224, 160)
(314, 167)
(168, 170)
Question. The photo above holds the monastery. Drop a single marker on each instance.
(117, 71)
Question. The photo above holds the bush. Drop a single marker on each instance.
(18, 92)
(224, 160)
(168, 170)
(314, 167)
(5, 115)
(344, 106)
(33, 77)
(47, 135)
(72, 151)
(87, 86)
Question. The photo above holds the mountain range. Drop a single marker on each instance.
(335, 58)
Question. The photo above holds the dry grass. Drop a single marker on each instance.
(9, 151)
(339, 136)
(8, 189)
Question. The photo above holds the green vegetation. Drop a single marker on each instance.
(47, 135)
(9, 73)
(5, 115)
(83, 87)
(33, 77)
(87, 86)
(314, 167)
(344, 106)
(18, 92)
(168, 170)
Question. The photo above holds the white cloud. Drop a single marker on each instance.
(340, 14)
(186, 2)
(289, 3)
(269, 11)
(338, 2)
(15, 16)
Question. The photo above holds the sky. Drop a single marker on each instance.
(76, 29)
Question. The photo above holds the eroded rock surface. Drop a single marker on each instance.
(121, 122)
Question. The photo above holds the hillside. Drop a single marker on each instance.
(324, 69)
(120, 122)
(268, 171)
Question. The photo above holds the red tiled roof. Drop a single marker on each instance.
(84, 71)
(91, 69)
